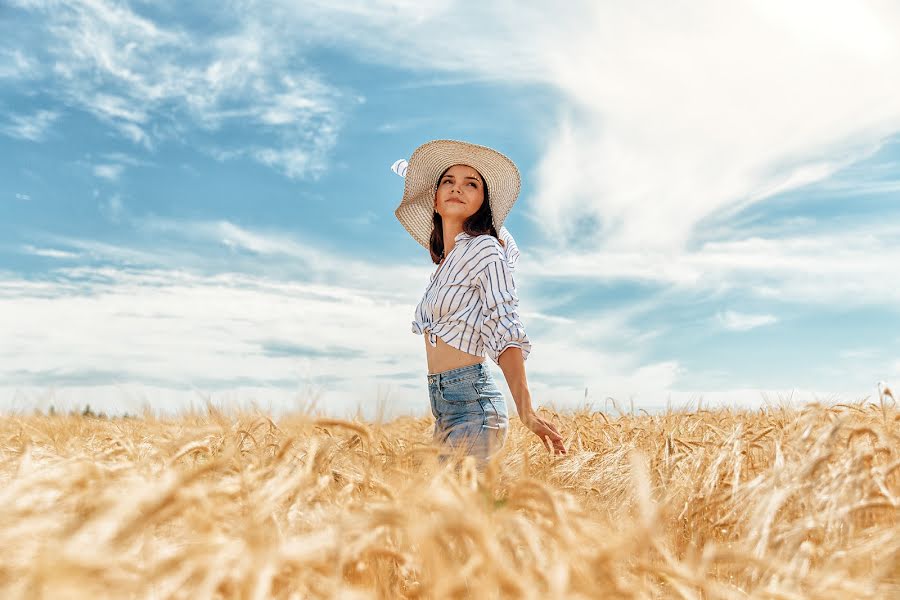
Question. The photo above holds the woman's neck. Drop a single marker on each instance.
(451, 230)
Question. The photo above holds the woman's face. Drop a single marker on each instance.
(460, 193)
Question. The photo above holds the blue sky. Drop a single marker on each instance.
(198, 200)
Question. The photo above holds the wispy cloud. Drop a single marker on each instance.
(363, 219)
(48, 252)
(111, 165)
(654, 141)
(859, 353)
(604, 351)
(874, 178)
(23, 197)
(110, 172)
(113, 254)
(282, 348)
(736, 321)
(113, 208)
(153, 82)
(293, 162)
(234, 237)
(122, 158)
(845, 267)
(403, 124)
(866, 188)
(274, 310)
(290, 298)
(669, 137)
(675, 136)
(177, 329)
(33, 127)
(14, 64)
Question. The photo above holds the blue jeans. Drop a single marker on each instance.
(470, 412)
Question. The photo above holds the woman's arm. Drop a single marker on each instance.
(506, 341)
(513, 366)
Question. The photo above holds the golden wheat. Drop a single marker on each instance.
(775, 503)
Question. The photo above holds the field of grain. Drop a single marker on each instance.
(774, 503)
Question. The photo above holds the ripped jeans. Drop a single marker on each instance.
(470, 412)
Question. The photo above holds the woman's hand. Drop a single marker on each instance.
(545, 430)
(512, 362)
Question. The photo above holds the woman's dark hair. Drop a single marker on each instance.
(478, 224)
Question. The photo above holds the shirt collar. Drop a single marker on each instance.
(461, 236)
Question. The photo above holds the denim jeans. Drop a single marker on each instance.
(470, 412)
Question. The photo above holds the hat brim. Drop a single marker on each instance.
(501, 176)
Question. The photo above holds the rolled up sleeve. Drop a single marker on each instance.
(501, 327)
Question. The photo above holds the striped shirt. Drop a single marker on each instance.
(471, 301)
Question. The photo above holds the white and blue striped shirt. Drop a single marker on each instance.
(471, 301)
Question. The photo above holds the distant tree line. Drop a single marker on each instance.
(87, 412)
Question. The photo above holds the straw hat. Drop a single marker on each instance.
(430, 160)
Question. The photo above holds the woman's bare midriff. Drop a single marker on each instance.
(444, 357)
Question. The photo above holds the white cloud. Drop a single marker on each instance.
(674, 115)
(153, 82)
(299, 309)
(113, 208)
(237, 238)
(133, 398)
(722, 109)
(16, 65)
(862, 188)
(850, 267)
(33, 127)
(736, 321)
(859, 353)
(671, 136)
(114, 164)
(405, 124)
(204, 323)
(118, 108)
(48, 252)
(798, 178)
(272, 253)
(298, 316)
(24, 197)
(115, 254)
(108, 171)
(676, 133)
(126, 159)
(364, 219)
(293, 162)
(872, 178)
(174, 329)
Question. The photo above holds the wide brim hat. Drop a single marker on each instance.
(428, 161)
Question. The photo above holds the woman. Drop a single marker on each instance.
(455, 200)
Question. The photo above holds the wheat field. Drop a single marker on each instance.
(778, 502)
